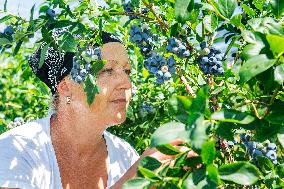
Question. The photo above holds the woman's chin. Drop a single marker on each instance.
(120, 117)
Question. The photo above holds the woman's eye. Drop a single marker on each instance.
(127, 71)
(108, 71)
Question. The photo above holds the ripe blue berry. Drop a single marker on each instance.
(177, 47)
(51, 13)
(9, 30)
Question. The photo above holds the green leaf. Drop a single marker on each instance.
(227, 7)
(97, 66)
(251, 50)
(4, 41)
(255, 66)
(213, 174)
(265, 164)
(150, 163)
(148, 173)
(195, 180)
(266, 25)
(17, 48)
(278, 7)
(280, 136)
(279, 74)
(137, 183)
(67, 42)
(169, 132)
(198, 132)
(276, 43)
(232, 116)
(178, 105)
(276, 115)
(5, 6)
(248, 10)
(5, 18)
(42, 55)
(32, 13)
(280, 170)
(182, 9)
(243, 173)
(168, 149)
(210, 22)
(208, 152)
(237, 20)
(90, 88)
(198, 105)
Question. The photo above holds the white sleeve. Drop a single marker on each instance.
(15, 169)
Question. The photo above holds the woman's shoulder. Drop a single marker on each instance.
(30, 131)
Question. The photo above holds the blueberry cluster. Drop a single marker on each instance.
(210, 61)
(146, 109)
(128, 7)
(81, 68)
(17, 122)
(145, 11)
(256, 149)
(142, 37)
(50, 13)
(271, 150)
(177, 47)
(9, 31)
(162, 68)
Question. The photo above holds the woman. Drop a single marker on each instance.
(71, 148)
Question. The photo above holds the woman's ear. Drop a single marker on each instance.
(64, 87)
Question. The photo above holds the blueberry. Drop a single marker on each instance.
(171, 61)
(159, 74)
(145, 11)
(245, 137)
(203, 45)
(78, 79)
(256, 152)
(9, 30)
(159, 81)
(167, 76)
(83, 72)
(271, 146)
(51, 13)
(271, 155)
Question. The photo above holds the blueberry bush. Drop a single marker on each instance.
(209, 72)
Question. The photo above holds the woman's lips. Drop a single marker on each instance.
(119, 101)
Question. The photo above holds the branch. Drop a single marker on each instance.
(163, 25)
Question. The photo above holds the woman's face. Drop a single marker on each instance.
(115, 87)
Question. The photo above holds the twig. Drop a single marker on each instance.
(187, 86)
(164, 26)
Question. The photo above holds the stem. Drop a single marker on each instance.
(255, 111)
(217, 12)
(271, 101)
(163, 25)
(187, 86)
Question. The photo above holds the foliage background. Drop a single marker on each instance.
(208, 110)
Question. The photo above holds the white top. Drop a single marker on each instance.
(28, 160)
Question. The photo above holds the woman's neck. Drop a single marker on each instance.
(79, 137)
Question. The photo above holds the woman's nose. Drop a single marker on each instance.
(124, 80)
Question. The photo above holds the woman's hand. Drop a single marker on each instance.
(154, 153)
(131, 173)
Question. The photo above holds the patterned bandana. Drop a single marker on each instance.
(57, 65)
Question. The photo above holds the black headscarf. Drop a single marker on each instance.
(57, 64)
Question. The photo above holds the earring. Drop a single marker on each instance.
(68, 100)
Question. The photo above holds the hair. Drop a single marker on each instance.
(54, 102)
